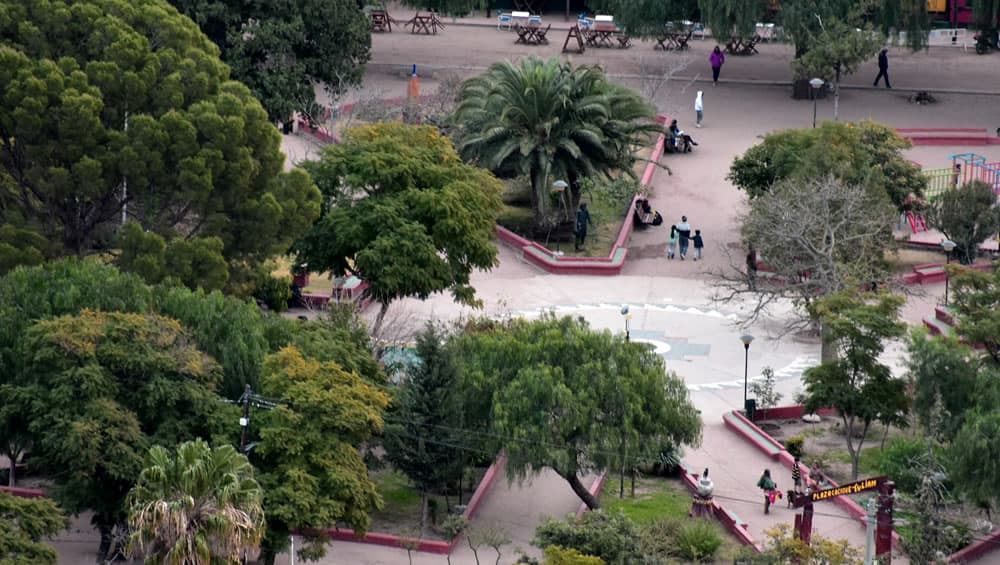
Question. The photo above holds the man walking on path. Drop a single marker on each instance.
(699, 109)
(883, 67)
(684, 233)
(717, 58)
(580, 228)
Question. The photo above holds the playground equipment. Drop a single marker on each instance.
(965, 168)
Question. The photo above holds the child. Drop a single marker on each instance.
(796, 482)
(699, 109)
(672, 242)
(698, 244)
(767, 485)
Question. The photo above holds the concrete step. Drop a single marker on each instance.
(937, 327)
(945, 314)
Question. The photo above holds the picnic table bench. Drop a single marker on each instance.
(532, 34)
(674, 40)
(737, 46)
(425, 23)
(381, 21)
(603, 34)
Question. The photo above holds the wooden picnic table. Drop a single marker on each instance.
(603, 34)
(674, 40)
(737, 46)
(381, 21)
(532, 33)
(425, 23)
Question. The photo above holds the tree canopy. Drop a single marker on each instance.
(106, 386)
(24, 524)
(201, 505)
(112, 106)
(968, 216)
(551, 121)
(857, 384)
(308, 458)
(646, 18)
(732, 18)
(281, 50)
(554, 393)
(976, 303)
(404, 214)
(838, 49)
(865, 153)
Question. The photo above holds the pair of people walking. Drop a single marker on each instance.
(680, 236)
(771, 491)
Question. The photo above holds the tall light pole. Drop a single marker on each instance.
(627, 316)
(560, 187)
(816, 84)
(747, 339)
(621, 403)
(948, 245)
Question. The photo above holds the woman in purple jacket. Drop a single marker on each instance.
(717, 59)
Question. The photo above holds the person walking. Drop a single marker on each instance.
(580, 228)
(699, 243)
(796, 482)
(767, 485)
(672, 242)
(883, 67)
(684, 235)
(699, 109)
(717, 58)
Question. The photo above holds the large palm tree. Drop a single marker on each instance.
(551, 121)
(201, 507)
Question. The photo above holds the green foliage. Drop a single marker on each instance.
(447, 7)
(977, 443)
(698, 541)
(941, 370)
(732, 18)
(763, 389)
(838, 49)
(105, 387)
(197, 263)
(146, 100)
(424, 418)
(550, 121)
(308, 459)
(610, 536)
(24, 523)
(968, 216)
(646, 18)
(555, 555)
(783, 546)
(282, 49)
(274, 292)
(406, 214)
(857, 384)
(658, 499)
(20, 247)
(554, 393)
(200, 506)
(866, 153)
(901, 461)
(795, 446)
(976, 303)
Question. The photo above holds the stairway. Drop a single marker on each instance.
(942, 322)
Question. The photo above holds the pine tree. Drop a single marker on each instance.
(421, 428)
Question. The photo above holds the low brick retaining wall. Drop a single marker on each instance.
(428, 546)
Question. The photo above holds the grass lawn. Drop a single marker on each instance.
(655, 498)
(400, 514)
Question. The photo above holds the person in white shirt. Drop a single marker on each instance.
(684, 233)
(699, 109)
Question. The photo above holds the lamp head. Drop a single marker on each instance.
(560, 185)
(747, 339)
(624, 309)
(948, 245)
(816, 83)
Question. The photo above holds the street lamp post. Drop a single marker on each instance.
(948, 245)
(628, 316)
(816, 84)
(747, 339)
(560, 187)
(621, 402)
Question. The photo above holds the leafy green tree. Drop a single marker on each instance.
(105, 387)
(554, 393)
(857, 384)
(282, 49)
(140, 117)
(423, 417)
(197, 264)
(555, 555)
(646, 18)
(448, 7)
(24, 523)
(976, 303)
(976, 444)
(201, 505)
(837, 50)
(550, 121)
(341, 337)
(308, 458)
(405, 214)
(944, 374)
(804, 20)
(865, 153)
(732, 18)
(611, 537)
(968, 216)
(20, 247)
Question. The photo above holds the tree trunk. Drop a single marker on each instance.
(423, 513)
(581, 491)
(836, 95)
(828, 351)
(379, 319)
(855, 455)
(11, 480)
(107, 548)
(540, 193)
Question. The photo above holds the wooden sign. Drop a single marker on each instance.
(849, 488)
